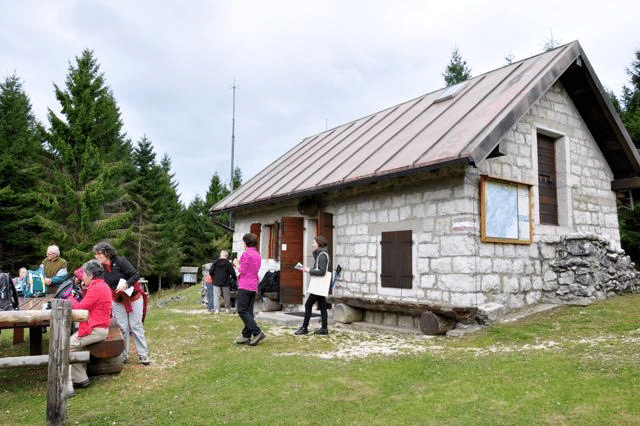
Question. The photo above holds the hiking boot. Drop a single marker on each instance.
(301, 331)
(243, 340)
(256, 339)
(144, 360)
(321, 331)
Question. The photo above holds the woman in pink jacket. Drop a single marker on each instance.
(248, 268)
(97, 300)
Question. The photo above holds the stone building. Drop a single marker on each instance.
(499, 191)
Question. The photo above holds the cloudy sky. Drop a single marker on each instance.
(300, 66)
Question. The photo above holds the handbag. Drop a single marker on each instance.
(319, 285)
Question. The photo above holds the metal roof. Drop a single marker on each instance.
(429, 132)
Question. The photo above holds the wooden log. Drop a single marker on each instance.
(346, 314)
(58, 373)
(40, 360)
(433, 324)
(103, 366)
(11, 319)
(110, 347)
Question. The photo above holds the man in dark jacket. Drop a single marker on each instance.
(222, 273)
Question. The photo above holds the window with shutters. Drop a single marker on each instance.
(547, 180)
(273, 251)
(396, 259)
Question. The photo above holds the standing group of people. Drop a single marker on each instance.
(110, 287)
(248, 267)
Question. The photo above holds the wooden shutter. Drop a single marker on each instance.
(255, 230)
(396, 270)
(274, 241)
(325, 229)
(291, 246)
(547, 191)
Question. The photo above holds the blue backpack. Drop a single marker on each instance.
(35, 286)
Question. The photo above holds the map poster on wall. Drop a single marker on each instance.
(505, 211)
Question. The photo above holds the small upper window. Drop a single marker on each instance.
(451, 91)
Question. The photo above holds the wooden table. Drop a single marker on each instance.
(36, 326)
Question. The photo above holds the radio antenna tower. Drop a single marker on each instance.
(233, 132)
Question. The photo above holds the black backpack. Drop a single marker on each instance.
(8, 293)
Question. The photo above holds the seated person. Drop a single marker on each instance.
(55, 268)
(97, 300)
(20, 281)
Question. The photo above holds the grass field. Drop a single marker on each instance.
(570, 366)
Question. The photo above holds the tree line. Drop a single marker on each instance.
(79, 180)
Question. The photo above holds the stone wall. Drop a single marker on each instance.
(582, 268)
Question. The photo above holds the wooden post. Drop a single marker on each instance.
(58, 362)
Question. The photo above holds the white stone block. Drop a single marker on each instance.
(405, 213)
(360, 250)
(441, 265)
(466, 299)
(458, 283)
(491, 312)
(428, 250)
(437, 296)
(510, 284)
(456, 245)
(533, 297)
(427, 281)
(464, 265)
(491, 284)
(390, 319)
(423, 266)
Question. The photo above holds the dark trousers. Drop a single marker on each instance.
(244, 304)
(322, 305)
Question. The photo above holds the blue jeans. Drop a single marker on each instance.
(210, 297)
(244, 303)
(131, 324)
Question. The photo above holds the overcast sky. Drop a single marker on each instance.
(300, 66)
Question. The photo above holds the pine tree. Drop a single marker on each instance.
(143, 192)
(630, 113)
(92, 164)
(457, 70)
(169, 250)
(21, 155)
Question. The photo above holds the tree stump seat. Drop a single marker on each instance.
(105, 354)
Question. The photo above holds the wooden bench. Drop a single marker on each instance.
(59, 317)
(434, 319)
(35, 331)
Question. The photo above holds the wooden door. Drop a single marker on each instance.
(325, 229)
(291, 251)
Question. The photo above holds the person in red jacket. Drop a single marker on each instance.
(97, 300)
